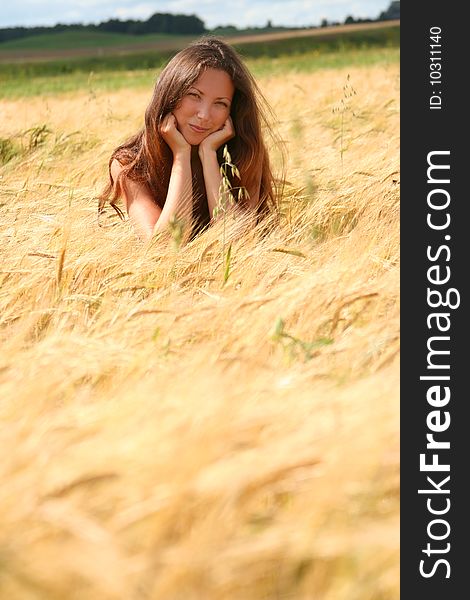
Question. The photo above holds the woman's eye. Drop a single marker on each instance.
(222, 104)
(193, 94)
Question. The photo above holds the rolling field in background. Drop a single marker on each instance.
(180, 427)
(75, 44)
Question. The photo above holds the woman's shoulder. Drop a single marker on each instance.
(115, 168)
(124, 156)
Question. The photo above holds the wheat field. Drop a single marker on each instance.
(168, 435)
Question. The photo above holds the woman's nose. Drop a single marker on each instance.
(203, 111)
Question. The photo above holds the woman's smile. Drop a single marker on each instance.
(198, 129)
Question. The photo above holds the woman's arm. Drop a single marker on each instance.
(179, 198)
(147, 217)
(210, 165)
(212, 177)
(211, 169)
(143, 211)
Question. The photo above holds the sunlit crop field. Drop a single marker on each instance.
(178, 428)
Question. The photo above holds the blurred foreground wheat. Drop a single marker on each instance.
(167, 436)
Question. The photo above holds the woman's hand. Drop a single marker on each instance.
(173, 137)
(213, 141)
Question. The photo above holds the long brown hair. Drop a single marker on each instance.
(145, 157)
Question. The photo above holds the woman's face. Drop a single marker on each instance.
(205, 107)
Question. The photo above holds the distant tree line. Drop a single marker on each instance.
(392, 12)
(176, 24)
(157, 23)
(347, 21)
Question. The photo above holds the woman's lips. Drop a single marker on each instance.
(197, 129)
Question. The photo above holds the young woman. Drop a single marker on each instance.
(205, 99)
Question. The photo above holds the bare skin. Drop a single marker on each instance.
(202, 119)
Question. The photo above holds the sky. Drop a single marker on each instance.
(241, 13)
